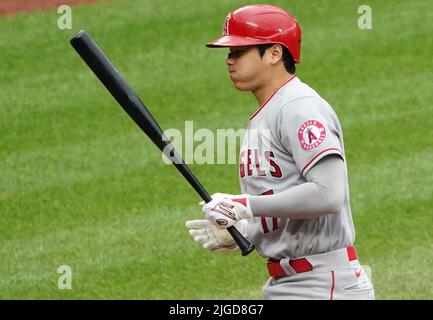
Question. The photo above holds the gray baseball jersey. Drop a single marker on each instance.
(286, 137)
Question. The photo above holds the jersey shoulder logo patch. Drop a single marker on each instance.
(311, 134)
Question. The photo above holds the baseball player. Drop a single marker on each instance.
(294, 205)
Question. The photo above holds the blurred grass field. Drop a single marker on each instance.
(82, 186)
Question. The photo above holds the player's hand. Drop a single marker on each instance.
(213, 239)
(226, 210)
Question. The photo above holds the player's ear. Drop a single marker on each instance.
(276, 53)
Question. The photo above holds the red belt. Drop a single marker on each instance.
(302, 264)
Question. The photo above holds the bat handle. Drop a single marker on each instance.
(243, 244)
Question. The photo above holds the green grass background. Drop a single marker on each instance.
(81, 185)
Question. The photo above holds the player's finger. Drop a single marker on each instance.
(210, 245)
(218, 195)
(197, 224)
(197, 232)
(201, 203)
(201, 239)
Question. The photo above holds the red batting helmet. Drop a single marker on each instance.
(261, 24)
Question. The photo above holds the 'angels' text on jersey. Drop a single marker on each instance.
(251, 164)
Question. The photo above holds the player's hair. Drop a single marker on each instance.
(289, 63)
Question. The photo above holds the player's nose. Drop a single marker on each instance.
(230, 60)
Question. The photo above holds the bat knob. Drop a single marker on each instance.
(248, 250)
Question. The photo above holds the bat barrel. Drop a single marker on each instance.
(116, 84)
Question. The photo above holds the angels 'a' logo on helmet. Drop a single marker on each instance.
(226, 25)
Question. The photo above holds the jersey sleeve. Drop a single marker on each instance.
(309, 130)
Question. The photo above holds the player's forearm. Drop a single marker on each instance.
(322, 194)
(305, 201)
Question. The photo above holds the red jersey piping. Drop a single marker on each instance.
(317, 155)
(263, 105)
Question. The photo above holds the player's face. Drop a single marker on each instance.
(246, 68)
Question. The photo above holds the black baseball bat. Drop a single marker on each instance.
(131, 103)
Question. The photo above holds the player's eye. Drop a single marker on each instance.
(235, 54)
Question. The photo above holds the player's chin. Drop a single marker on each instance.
(241, 86)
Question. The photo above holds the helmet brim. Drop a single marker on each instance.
(235, 41)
